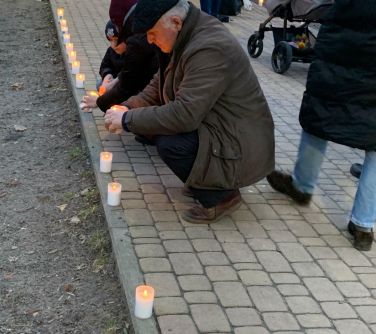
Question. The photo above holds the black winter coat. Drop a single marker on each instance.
(340, 99)
(112, 63)
(140, 63)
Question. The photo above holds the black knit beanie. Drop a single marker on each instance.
(148, 12)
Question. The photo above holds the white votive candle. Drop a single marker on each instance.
(63, 23)
(60, 12)
(68, 48)
(72, 56)
(105, 162)
(113, 193)
(75, 67)
(144, 301)
(66, 38)
(64, 30)
(80, 78)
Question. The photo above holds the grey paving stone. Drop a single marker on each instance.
(263, 211)
(292, 290)
(144, 168)
(322, 253)
(168, 226)
(138, 241)
(231, 294)
(241, 316)
(282, 236)
(280, 321)
(326, 229)
(128, 184)
(221, 273)
(362, 301)
(206, 245)
(194, 282)
(337, 240)
(267, 298)
(251, 330)
(364, 270)
(143, 232)
(300, 228)
(322, 289)
(369, 280)
(352, 257)
(243, 215)
(294, 252)
(200, 297)
(199, 233)
(170, 305)
(185, 263)
(303, 304)
(229, 236)
(273, 225)
(133, 204)
(313, 320)
(336, 310)
(353, 289)
(337, 270)
(156, 198)
(351, 326)
(210, 318)
(152, 188)
(239, 252)
(224, 224)
(148, 179)
(251, 230)
(165, 284)
(150, 250)
(154, 264)
(367, 313)
(177, 324)
(213, 258)
(286, 278)
(254, 277)
(172, 235)
(171, 181)
(261, 244)
(307, 269)
(125, 195)
(312, 241)
(165, 216)
(321, 331)
(177, 246)
(247, 266)
(273, 261)
(134, 217)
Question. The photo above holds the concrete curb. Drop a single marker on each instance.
(129, 272)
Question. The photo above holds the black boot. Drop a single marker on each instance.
(356, 170)
(362, 239)
(283, 183)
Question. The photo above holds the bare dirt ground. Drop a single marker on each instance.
(56, 271)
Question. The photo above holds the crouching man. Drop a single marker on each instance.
(205, 108)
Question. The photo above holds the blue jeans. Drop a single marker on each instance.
(210, 7)
(310, 156)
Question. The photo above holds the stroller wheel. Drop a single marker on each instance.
(255, 46)
(281, 57)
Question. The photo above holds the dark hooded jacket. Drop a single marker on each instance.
(137, 64)
(340, 99)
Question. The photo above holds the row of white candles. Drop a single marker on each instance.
(144, 295)
(72, 56)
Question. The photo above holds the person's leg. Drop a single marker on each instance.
(215, 5)
(307, 167)
(364, 209)
(205, 6)
(179, 153)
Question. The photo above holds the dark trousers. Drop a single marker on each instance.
(210, 7)
(179, 153)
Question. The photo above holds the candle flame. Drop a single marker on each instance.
(114, 108)
(94, 93)
(106, 156)
(76, 63)
(261, 2)
(102, 90)
(145, 293)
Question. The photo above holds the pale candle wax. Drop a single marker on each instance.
(68, 48)
(80, 78)
(113, 193)
(144, 301)
(72, 56)
(118, 107)
(64, 30)
(75, 67)
(66, 38)
(60, 12)
(63, 23)
(105, 162)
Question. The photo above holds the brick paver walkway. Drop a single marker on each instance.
(272, 266)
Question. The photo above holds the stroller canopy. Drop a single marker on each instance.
(299, 8)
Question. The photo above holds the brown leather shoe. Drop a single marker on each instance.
(200, 215)
(187, 192)
(283, 183)
(362, 239)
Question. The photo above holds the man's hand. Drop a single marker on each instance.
(113, 118)
(107, 79)
(120, 48)
(90, 101)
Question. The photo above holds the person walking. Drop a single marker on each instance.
(339, 105)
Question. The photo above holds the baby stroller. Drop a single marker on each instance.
(290, 43)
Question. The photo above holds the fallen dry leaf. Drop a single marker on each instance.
(17, 85)
(34, 312)
(69, 287)
(20, 128)
(75, 220)
(8, 276)
(62, 207)
(53, 251)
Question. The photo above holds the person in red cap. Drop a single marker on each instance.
(129, 63)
